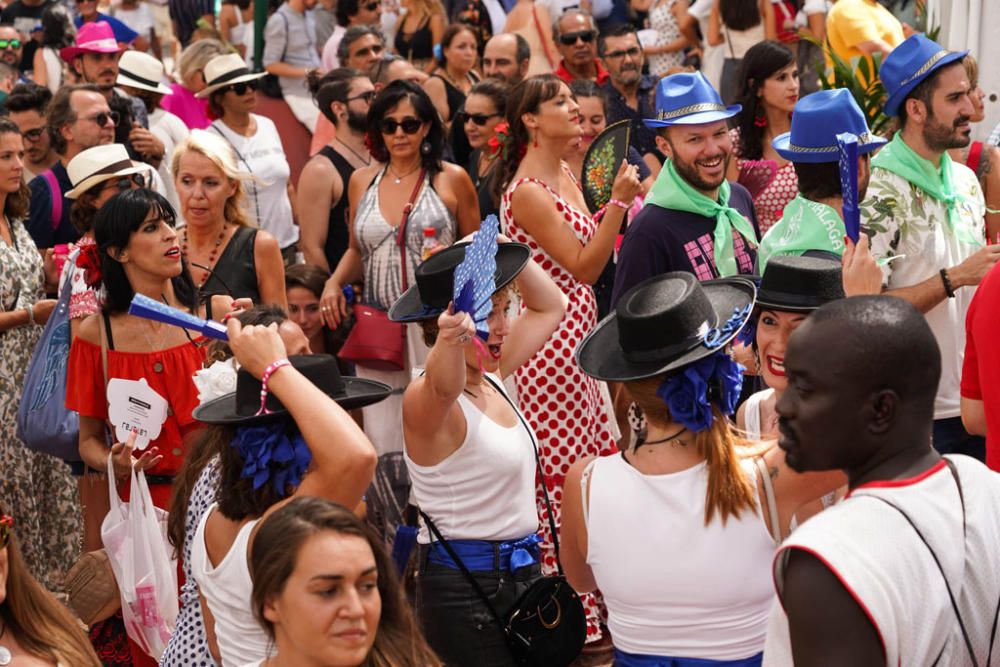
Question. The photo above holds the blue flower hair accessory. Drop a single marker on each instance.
(271, 454)
(690, 393)
(717, 336)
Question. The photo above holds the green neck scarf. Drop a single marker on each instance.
(673, 192)
(804, 225)
(939, 183)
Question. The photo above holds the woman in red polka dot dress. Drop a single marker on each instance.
(542, 206)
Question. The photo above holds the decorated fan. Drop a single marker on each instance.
(601, 163)
(151, 309)
(847, 143)
(756, 175)
(475, 277)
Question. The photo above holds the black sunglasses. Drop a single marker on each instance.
(370, 7)
(241, 87)
(632, 52)
(102, 118)
(9, 44)
(367, 97)
(33, 135)
(479, 119)
(409, 125)
(125, 182)
(569, 39)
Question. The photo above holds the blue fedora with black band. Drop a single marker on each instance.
(688, 99)
(817, 120)
(910, 63)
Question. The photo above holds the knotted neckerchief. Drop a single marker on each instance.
(673, 192)
(903, 161)
(804, 225)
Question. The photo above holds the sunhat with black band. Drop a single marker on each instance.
(241, 407)
(688, 99)
(664, 324)
(141, 70)
(799, 284)
(98, 164)
(435, 279)
(910, 63)
(222, 71)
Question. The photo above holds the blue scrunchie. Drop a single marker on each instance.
(270, 454)
(689, 394)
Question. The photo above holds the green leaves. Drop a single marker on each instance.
(860, 77)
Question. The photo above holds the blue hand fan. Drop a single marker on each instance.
(847, 144)
(151, 309)
(475, 277)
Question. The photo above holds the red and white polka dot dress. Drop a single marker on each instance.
(563, 405)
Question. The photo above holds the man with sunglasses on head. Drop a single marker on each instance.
(575, 34)
(349, 14)
(26, 106)
(507, 57)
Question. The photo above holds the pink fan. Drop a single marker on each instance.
(756, 175)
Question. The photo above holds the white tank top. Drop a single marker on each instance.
(484, 490)
(674, 586)
(881, 560)
(227, 590)
(751, 413)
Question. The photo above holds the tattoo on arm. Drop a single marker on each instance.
(773, 471)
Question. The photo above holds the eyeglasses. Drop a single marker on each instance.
(375, 50)
(370, 7)
(125, 182)
(241, 87)
(569, 39)
(366, 96)
(33, 135)
(479, 119)
(102, 118)
(6, 529)
(409, 125)
(9, 44)
(632, 53)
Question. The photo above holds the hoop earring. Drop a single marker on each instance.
(425, 147)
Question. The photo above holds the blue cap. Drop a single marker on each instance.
(688, 99)
(910, 63)
(817, 120)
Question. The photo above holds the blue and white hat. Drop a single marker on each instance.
(688, 99)
(817, 120)
(910, 63)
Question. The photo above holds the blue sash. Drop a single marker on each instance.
(623, 659)
(480, 555)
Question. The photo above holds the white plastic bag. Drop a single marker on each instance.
(135, 538)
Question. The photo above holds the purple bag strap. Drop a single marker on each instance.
(57, 198)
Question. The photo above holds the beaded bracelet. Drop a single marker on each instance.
(619, 203)
(264, 378)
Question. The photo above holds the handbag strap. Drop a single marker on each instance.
(401, 234)
(772, 504)
(541, 37)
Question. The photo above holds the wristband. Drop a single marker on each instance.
(264, 378)
(948, 289)
(619, 203)
(31, 315)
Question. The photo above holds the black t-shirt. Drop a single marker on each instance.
(660, 240)
(24, 18)
(39, 222)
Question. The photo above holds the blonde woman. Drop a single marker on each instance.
(227, 254)
(418, 30)
(191, 66)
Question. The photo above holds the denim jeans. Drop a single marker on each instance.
(456, 622)
(950, 437)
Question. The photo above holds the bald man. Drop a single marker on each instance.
(507, 57)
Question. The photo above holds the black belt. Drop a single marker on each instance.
(166, 480)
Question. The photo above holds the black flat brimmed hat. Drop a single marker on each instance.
(435, 280)
(240, 407)
(799, 284)
(666, 323)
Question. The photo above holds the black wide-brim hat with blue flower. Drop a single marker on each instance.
(664, 324)
(435, 280)
(240, 407)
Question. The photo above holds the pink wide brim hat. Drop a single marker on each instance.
(95, 37)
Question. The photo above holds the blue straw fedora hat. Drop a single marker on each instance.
(910, 63)
(688, 99)
(816, 122)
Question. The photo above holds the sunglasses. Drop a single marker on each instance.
(569, 39)
(479, 119)
(6, 529)
(33, 135)
(241, 87)
(370, 7)
(9, 44)
(632, 53)
(125, 182)
(367, 97)
(409, 125)
(102, 118)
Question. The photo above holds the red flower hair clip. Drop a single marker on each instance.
(89, 260)
(499, 143)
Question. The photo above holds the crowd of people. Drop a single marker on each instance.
(774, 336)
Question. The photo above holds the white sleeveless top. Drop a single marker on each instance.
(674, 586)
(883, 563)
(484, 490)
(227, 590)
(751, 413)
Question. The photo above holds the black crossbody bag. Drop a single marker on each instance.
(547, 626)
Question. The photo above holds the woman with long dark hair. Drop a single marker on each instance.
(304, 287)
(769, 89)
(737, 25)
(57, 34)
(483, 111)
(361, 616)
(451, 81)
(542, 206)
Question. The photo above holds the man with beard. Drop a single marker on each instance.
(906, 569)
(693, 219)
(575, 34)
(27, 105)
(11, 49)
(927, 212)
(628, 91)
(343, 96)
(507, 57)
(813, 222)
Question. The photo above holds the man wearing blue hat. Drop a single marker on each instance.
(693, 219)
(813, 222)
(927, 212)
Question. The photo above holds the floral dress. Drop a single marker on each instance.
(768, 202)
(37, 489)
(564, 407)
(663, 21)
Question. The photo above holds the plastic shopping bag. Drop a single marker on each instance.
(135, 538)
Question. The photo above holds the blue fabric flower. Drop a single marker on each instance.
(690, 394)
(270, 454)
(728, 383)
